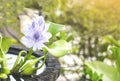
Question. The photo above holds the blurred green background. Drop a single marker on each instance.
(89, 22)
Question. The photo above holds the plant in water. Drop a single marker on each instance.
(37, 35)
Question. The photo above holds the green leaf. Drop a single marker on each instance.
(109, 73)
(55, 28)
(19, 58)
(93, 75)
(27, 68)
(58, 48)
(63, 35)
(116, 54)
(112, 40)
(71, 37)
(6, 42)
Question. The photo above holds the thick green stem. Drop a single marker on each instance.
(2, 54)
(19, 58)
(28, 55)
(45, 56)
(4, 65)
(19, 62)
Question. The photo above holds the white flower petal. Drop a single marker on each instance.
(46, 27)
(37, 46)
(47, 36)
(27, 42)
(34, 47)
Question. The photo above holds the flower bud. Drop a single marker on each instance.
(29, 67)
(28, 71)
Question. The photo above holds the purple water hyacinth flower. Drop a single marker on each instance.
(36, 33)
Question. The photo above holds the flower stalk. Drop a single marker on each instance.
(4, 67)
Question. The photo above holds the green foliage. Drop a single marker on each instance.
(6, 43)
(28, 67)
(94, 18)
(109, 73)
(58, 48)
(116, 54)
(9, 11)
(92, 22)
(90, 18)
(18, 63)
(24, 65)
(3, 50)
(112, 41)
(93, 75)
(85, 16)
(55, 28)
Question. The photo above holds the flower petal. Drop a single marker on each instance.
(38, 46)
(40, 23)
(27, 42)
(36, 33)
(46, 27)
(47, 36)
